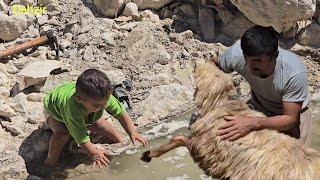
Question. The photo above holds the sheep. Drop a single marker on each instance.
(265, 154)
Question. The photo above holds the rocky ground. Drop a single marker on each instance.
(155, 50)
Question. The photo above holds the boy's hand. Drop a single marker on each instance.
(100, 158)
(137, 137)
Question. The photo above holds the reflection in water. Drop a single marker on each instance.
(175, 165)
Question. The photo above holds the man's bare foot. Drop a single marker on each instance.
(50, 163)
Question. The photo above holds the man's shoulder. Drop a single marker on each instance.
(290, 63)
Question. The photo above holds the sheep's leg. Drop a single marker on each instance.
(175, 142)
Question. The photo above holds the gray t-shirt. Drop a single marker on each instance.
(288, 83)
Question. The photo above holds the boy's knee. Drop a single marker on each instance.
(63, 135)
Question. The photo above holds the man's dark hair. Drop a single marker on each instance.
(260, 40)
(94, 84)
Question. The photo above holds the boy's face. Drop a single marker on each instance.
(92, 104)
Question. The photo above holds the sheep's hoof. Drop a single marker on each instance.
(146, 156)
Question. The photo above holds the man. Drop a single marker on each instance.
(279, 86)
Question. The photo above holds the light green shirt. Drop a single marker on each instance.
(62, 105)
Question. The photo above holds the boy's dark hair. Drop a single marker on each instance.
(94, 84)
(260, 40)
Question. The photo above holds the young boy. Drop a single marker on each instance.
(75, 108)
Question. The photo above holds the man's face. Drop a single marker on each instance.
(261, 66)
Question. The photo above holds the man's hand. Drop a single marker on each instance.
(237, 127)
(137, 137)
(100, 158)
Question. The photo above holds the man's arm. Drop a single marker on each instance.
(289, 119)
(239, 126)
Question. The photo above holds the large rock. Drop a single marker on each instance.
(236, 26)
(206, 24)
(151, 4)
(310, 36)
(109, 8)
(11, 27)
(281, 15)
(164, 101)
(33, 75)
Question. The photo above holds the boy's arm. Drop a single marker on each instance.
(127, 123)
(99, 156)
(116, 109)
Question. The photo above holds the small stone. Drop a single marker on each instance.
(4, 92)
(10, 127)
(12, 69)
(35, 97)
(188, 34)
(32, 32)
(88, 54)
(150, 15)
(131, 9)
(185, 53)
(64, 44)
(128, 26)
(6, 110)
(53, 21)
(3, 67)
(108, 39)
(164, 57)
(68, 36)
(20, 103)
(82, 40)
(3, 79)
(45, 28)
(43, 20)
(32, 120)
(196, 54)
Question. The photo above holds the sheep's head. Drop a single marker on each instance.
(213, 87)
